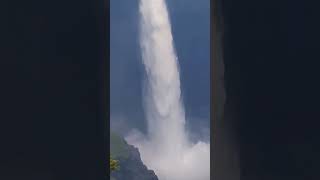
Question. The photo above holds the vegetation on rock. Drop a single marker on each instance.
(114, 164)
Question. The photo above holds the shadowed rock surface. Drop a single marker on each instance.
(131, 165)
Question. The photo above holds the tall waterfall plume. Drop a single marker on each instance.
(166, 148)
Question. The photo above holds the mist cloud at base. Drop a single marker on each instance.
(191, 162)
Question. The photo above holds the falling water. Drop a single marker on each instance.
(166, 149)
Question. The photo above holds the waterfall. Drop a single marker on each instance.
(166, 149)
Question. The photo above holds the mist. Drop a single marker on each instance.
(166, 148)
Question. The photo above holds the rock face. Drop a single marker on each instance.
(131, 165)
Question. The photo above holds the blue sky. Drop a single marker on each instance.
(191, 33)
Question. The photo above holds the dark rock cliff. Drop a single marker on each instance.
(131, 165)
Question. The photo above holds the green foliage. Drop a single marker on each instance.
(114, 164)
